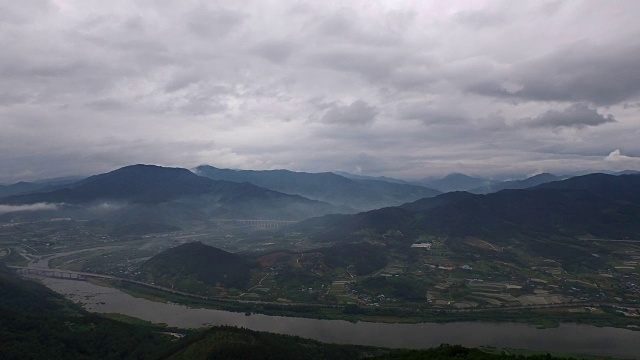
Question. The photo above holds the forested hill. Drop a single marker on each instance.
(135, 183)
(189, 264)
(36, 323)
(592, 205)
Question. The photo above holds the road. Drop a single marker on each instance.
(42, 262)
(41, 265)
(52, 273)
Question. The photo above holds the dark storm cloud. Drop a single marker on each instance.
(576, 116)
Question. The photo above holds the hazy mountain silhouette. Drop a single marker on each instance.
(366, 177)
(143, 198)
(24, 187)
(455, 182)
(597, 205)
(329, 187)
(517, 184)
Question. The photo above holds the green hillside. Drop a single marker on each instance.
(241, 344)
(36, 323)
(593, 205)
(197, 267)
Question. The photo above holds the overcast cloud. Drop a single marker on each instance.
(396, 88)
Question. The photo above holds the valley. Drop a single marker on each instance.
(558, 253)
(262, 180)
(435, 280)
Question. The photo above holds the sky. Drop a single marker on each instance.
(406, 89)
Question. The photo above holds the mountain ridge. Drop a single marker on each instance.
(529, 182)
(327, 186)
(146, 197)
(572, 207)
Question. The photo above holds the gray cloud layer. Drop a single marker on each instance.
(399, 88)
(358, 113)
(576, 116)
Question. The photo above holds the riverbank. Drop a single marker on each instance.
(542, 318)
(567, 338)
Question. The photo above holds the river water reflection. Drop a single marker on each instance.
(567, 338)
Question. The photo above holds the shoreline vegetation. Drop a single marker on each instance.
(542, 318)
(39, 323)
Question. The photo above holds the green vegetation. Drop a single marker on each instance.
(455, 352)
(36, 323)
(562, 252)
(597, 204)
(404, 287)
(233, 343)
(196, 267)
(364, 257)
(543, 318)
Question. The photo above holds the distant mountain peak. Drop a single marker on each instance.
(363, 194)
(529, 182)
(459, 175)
(455, 182)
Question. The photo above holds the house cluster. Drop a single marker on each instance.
(629, 286)
(631, 312)
(451, 267)
(371, 299)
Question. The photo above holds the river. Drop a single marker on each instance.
(568, 338)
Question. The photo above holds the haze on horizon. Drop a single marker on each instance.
(396, 88)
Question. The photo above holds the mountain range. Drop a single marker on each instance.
(517, 184)
(455, 182)
(597, 205)
(139, 199)
(148, 198)
(24, 187)
(361, 194)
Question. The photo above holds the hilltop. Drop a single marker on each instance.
(197, 267)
